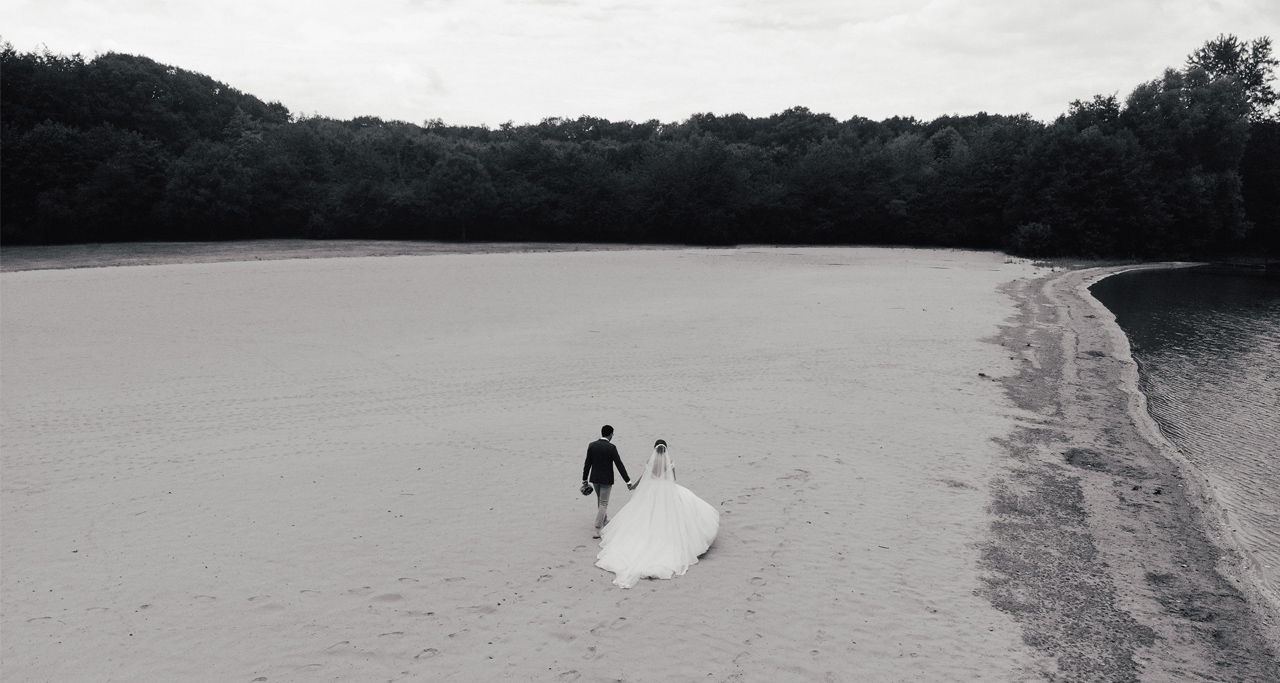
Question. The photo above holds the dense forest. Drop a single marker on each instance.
(121, 148)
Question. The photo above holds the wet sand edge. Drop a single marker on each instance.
(1103, 543)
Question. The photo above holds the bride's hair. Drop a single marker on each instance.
(660, 446)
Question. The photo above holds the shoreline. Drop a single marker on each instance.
(1147, 565)
(1215, 520)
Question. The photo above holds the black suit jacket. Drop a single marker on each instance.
(601, 457)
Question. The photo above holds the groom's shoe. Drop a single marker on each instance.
(596, 534)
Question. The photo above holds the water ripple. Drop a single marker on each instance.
(1208, 350)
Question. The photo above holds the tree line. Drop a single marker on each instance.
(122, 148)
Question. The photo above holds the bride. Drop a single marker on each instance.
(661, 530)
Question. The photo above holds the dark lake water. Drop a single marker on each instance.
(1207, 344)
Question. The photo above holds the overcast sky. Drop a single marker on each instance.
(491, 61)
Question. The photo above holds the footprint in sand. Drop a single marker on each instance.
(363, 590)
(393, 633)
(403, 580)
(427, 653)
(958, 484)
(387, 597)
(570, 675)
(799, 474)
(305, 591)
(757, 581)
(205, 598)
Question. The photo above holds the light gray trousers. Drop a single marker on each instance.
(602, 504)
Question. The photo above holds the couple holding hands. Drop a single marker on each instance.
(662, 530)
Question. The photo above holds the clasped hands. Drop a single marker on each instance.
(631, 485)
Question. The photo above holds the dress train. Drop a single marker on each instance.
(660, 532)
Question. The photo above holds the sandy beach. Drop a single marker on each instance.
(366, 468)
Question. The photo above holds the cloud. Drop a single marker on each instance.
(472, 61)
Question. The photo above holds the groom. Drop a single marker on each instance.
(601, 457)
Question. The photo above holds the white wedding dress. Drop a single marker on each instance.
(660, 531)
